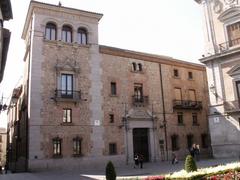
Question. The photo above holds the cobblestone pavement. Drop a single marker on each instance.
(123, 172)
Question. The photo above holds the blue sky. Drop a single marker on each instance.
(170, 28)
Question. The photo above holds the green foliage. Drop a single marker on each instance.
(190, 164)
(110, 171)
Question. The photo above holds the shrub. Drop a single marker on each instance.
(110, 171)
(190, 164)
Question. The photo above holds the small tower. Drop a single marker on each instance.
(222, 58)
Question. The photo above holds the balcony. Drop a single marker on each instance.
(187, 104)
(229, 44)
(67, 96)
(231, 106)
(139, 100)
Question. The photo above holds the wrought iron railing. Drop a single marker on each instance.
(226, 45)
(139, 100)
(232, 106)
(187, 104)
(67, 95)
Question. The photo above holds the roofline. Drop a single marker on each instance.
(33, 4)
(149, 57)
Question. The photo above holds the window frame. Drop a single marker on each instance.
(112, 148)
(77, 146)
(51, 27)
(113, 86)
(67, 34)
(57, 147)
(66, 92)
(180, 119)
(176, 73)
(190, 75)
(195, 119)
(111, 118)
(65, 115)
(81, 34)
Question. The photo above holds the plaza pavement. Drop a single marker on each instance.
(123, 172)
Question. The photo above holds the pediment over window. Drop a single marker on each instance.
(229, 14)
(140, 114)
(234, 71)
(68, 65)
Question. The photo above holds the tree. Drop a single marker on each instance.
(190, 164)
(110, 171)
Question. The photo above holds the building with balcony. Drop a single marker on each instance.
(222, 58)
(82, 104)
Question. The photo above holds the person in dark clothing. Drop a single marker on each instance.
(136, 160)
(193, 150)
(141, 160)
(174, 158)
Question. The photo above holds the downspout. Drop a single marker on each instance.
(164, 113)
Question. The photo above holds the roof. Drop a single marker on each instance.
(57, 8)
(149, 57)
(6, 8)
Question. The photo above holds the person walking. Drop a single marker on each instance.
(136, 160)
(174, 158)
(141, 158)
(197, 152)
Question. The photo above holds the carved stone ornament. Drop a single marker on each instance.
(229, 1)
(67, 65)
(217, 6)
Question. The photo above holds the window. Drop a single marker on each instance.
(204, 138)
(190, 75)
(111, 118)
(178, 94)
(238, 89)
(0, 138)
(57, 146)
(66, 85)
(50, 31)
(67, 115)
(175, 73)
(189, 140)
(139, 66)
(180, 118)
(174, 140)
(233, 32)
(77, 146)
(113, 88)
(138, 92)
(134, 66)
(82, 36)
(194, 119)
(112, 148)
(67, 34)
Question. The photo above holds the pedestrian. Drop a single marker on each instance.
(174, 158)
(141, 158)
(193, 150)
(197, 152)
(6, 168)
(136, 160)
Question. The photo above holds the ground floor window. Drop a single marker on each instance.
(57, 147)
(77, 146)
(112, 148)
(175, 145)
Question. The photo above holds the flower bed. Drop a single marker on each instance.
(226, 172)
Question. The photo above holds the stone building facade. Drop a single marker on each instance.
(82, 104)
(222, 58)
(3, 148)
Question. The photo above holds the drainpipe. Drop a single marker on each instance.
(164, 113)
(126, 131)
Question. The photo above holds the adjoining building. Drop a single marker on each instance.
(5, 15)
(82, 104)
(222, 58)
(3, 143)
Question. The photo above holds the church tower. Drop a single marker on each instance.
(222, 58)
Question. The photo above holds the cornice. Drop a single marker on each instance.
(54, 8)
(149, 57)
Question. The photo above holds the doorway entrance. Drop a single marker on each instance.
(140, 142)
